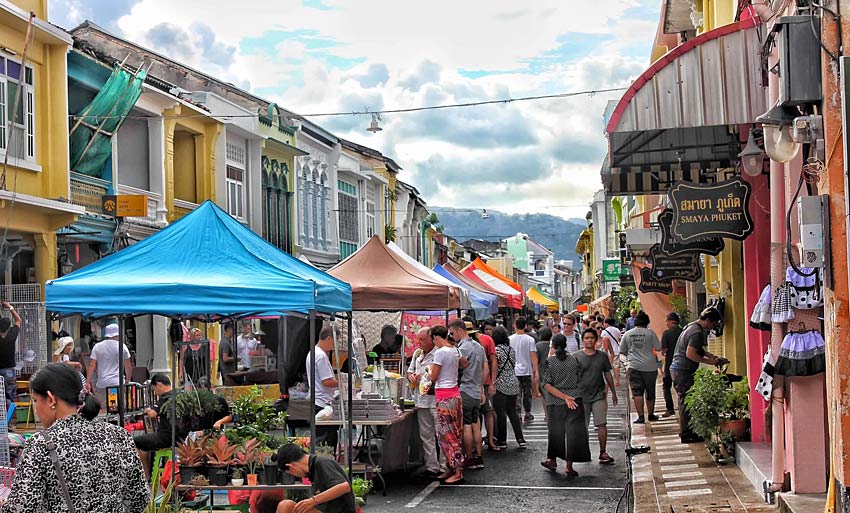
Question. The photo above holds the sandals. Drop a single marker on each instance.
(606, 459)
(571, 473)
(550, 465)
(456, 482)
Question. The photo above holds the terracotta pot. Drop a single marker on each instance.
(252, 479)
(737, 427)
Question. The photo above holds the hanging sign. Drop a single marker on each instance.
(711, 210)
(650, 284)
(125, 205)
(671, 245)
(674, 267)
(611, 269)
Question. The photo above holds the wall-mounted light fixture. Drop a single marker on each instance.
(778, 133)
(752, 157)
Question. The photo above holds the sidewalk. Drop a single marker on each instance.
(681, 477)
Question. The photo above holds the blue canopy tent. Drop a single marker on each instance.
(206, 265)
(483, 304)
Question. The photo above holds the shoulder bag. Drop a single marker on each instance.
(60, 476)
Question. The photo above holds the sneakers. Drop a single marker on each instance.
(640, 420)
(605, 459)
(653, 418)
(522, 444)
(668, 413)
(528, 418)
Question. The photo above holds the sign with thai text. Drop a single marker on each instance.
(611, 269)
(711, 210)
(671, 245)
(650, 284)
(674, 267)
(126, 205)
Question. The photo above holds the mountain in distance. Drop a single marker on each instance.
(556, 233)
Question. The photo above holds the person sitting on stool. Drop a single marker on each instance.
(330, 490)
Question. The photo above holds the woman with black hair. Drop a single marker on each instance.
(507, 390)
(75, 464)
(449, 425)
(567, 431)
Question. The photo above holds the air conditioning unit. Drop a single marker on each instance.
(642, 238)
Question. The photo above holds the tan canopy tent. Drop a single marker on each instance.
(382, 280)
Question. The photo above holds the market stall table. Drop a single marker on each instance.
(211, 489)
(396, 438)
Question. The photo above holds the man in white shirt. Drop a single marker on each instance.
(426, 405)
(245, 343)
(639, 346)
(571, 332)
(611, 336)
(104, 361)
(526, 368)
(325, 384)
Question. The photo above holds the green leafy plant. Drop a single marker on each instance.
(679, 304)
(252, 409)
(390, 233)
(361, 488)
(251, 455)
(737, 403)
(236, 474)
(191, 404)
(162, 504)
(324, 450)
(625, 300)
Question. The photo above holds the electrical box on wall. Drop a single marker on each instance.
(799, 60)
(810, 212)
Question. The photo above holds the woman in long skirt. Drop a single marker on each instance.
(443, 373)
(567, 430)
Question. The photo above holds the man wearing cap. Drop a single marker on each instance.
(426, 404)
(471, 391)
(104, 361)
(668, 348)
(8, 345)
(690, 352)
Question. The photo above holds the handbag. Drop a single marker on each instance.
(805, 291)
(60, 476)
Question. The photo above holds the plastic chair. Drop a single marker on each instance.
(160, 457)
(24, 388)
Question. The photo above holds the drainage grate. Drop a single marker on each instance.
(715, 507)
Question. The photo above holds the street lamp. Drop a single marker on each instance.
(752, 157)
(374, 127)
(778, 133)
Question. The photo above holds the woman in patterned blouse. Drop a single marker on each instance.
(507, 390)
(567, 431)
(98, 461)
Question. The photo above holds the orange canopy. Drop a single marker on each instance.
(482, 266)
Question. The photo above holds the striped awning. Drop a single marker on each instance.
(680, 119)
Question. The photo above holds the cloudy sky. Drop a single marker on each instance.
(317, 56)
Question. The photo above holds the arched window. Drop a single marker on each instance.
(314, 210)
(303, 207)
(323, 209)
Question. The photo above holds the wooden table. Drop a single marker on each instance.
(369, 434)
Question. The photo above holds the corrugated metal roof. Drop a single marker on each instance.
(681, 115)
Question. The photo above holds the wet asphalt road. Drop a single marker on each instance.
(514, 480)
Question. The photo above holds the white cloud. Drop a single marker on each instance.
(542, 155)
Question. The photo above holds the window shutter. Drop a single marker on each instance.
(30, 122)
(3, 115)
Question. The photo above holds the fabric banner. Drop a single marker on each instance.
(413, 322)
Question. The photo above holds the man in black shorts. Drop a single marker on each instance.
(637, 346)
(161, 438)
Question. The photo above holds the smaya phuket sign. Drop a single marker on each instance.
(711, 210)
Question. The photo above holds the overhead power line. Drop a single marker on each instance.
(367, 112)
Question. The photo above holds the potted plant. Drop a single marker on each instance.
(269, 475)
(736, 410)
(705, 403)
(219, 456)
(361, 488)
(191, 456)
(191, 404)
(254, 411)
(251, 455)
(237, 477)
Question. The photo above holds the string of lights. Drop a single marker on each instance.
(367, 112)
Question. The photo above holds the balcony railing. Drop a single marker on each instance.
(87, 191)
(181, 208)
(153, 204)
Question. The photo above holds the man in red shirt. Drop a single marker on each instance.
(489, 415)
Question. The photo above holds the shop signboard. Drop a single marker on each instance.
(125, 205)
(671, 245)
(674, 267)
(611, 269)
(650, 284)
(711, 210)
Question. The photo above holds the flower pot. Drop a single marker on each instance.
(218, 476)
(737, 427)
(252, 479)
(237, 482)
(269, 475)
(187, 473)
